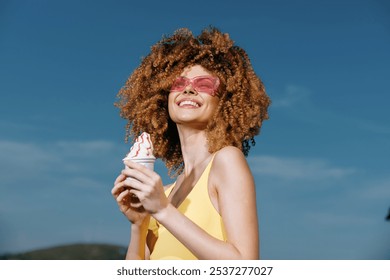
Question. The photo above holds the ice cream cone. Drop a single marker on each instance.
(141, 152)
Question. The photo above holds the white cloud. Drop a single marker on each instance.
(378, 189)
(296, 96)
(371, 126)
(22, 152)
(296, 168)
(19, 161)
(85, 182)
(291, 96)
(63, 185)
(8, 125)
(84, 148)
(25, 162)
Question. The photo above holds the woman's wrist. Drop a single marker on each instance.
(161, 215)
(140, 227)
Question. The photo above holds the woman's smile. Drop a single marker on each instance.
(189, 103)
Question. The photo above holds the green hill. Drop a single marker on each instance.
(72, 252)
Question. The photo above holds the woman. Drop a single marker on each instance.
(202, 104)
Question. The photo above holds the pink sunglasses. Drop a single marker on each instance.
(206, 84)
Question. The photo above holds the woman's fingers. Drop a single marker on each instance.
(117, 189)
(122, 195)
(120, 178)
(123, 187)
(135, 202)
(118, 185)
(136, 174)
(139, 189)
(139, 167)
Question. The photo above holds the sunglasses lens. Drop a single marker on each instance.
(204, 85)
(179, 84)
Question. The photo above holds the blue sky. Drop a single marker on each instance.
(321, 163)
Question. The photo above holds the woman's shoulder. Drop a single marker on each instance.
(228, 161)
(229, 155)
(230, 168)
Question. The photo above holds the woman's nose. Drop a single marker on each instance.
(190, 90)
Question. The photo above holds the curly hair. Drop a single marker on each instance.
(243, 102)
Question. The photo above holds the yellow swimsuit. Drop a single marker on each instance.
(198, 208)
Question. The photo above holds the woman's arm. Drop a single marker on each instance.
(137, 249)
(138, 217)
(237, 201)
(235, 187)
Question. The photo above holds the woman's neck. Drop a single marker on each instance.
(194, 147)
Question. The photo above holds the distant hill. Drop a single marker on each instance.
(72, 252)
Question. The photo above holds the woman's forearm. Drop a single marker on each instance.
(198, 241)
(136, 249)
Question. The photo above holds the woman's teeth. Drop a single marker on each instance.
(188, 102)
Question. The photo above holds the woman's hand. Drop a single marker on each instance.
(146, 186)
(125, 200)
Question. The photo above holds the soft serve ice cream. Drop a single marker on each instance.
(142, 151)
